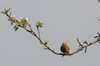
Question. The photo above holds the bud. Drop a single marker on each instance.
(24, 19)
(13, 18)
(39, 24)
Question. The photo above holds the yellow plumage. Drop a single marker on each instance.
(65, 48)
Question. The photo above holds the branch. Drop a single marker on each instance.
(85, 46)
(23, 23)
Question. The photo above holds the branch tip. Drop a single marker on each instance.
(85, 42)
(85, 49)
(79, 43)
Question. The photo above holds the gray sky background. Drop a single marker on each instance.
(64, 20)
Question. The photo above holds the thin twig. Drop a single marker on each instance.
(79, 43)
(38, 32)
(86, 45)
(81, 47)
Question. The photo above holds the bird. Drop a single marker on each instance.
(65, 48)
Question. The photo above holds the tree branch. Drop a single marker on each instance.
(30, 30)
(84, 46)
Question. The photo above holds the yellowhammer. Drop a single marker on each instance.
(64, 48)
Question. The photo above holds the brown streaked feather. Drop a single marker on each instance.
(65, 49)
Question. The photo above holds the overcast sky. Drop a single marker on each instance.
(64, 20)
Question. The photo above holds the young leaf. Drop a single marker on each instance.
(11, 23)
(39, 24)
(16, 28)
(41, 42)
(2, 12)
(6, 11)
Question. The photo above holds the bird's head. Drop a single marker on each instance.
(65, 43)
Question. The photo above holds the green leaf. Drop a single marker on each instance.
(41, 42)
(16, 28)
(11, 23)
(5, 11)
(2, 12)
